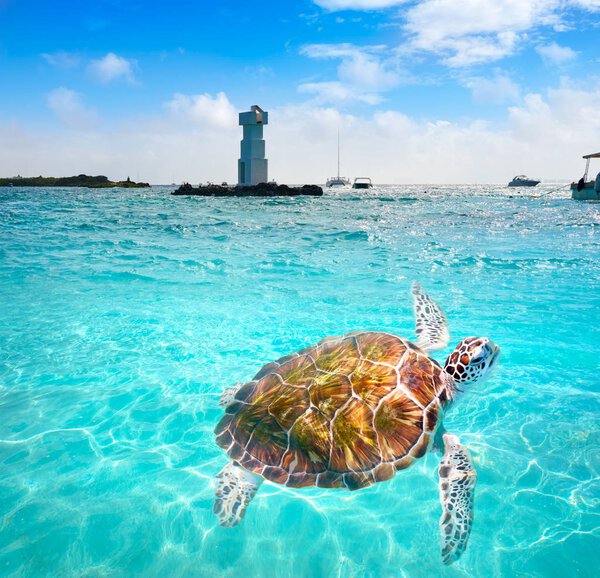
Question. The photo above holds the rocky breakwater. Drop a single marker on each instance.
(260, 190)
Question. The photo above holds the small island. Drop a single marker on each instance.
(260, 190)
(97, 182)
(252, 167)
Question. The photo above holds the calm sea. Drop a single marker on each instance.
(124, 314)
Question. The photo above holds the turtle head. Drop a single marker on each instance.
(471, 361)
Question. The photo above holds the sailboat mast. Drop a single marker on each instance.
(338, 153)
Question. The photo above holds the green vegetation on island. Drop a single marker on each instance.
(98, 182)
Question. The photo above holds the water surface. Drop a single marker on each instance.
(124, 314)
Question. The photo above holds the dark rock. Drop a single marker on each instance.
(260, 190)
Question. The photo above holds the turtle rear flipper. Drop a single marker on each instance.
(230, 394)
(227, 397)
(432, 328)
(457, 489)
(235, 489)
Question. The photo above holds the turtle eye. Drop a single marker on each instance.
(478, 358)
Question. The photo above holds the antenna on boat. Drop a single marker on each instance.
(587, 168)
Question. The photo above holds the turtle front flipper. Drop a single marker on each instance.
(432, 329)
(235, 489)
(457, 489)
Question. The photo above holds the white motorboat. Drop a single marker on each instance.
(523, 181)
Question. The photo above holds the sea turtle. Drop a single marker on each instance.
(351, 411)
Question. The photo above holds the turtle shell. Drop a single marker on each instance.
(345, 413)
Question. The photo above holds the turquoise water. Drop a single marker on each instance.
(124, 314)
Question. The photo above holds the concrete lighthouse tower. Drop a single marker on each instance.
(253, 166)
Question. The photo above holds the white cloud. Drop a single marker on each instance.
(335, 5)
(204, 110)
(477, 49)
(565, 115)
(328, 50)
(591, 5)
(336, 92)
(553, 53)
(367, 71)
(161, 149)
(112, 67)
(62, 59)
(470, 32)
(362, 73)
(70, 110)
(497, 89)
(435, 20)
(544, 136)
(477, 31)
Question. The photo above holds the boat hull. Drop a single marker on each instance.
(362, 183)
(523, 183)
(587, 193)
(337, 183)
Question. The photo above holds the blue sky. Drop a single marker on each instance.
(422, 91)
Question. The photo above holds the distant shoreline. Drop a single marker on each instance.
(97, 182)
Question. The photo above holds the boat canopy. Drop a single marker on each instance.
(587, 163)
